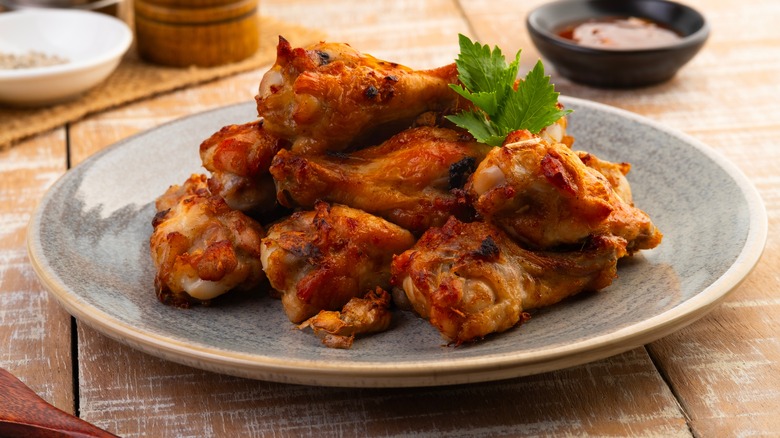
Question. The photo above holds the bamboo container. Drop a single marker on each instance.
(204, 33)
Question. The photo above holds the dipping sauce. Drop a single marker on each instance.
(620, 34)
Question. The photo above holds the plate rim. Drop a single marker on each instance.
(419, 373)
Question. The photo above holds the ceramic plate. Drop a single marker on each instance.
(88, 242)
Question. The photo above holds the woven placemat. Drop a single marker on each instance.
(135, 79)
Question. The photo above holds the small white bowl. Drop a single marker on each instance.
(91, 42)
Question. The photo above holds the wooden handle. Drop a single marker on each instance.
(23, 413)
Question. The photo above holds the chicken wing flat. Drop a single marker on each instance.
(238, 157)
(320, 259)
(544, 195)
(201, 247)
(471, 279)
(411, 180)
(332, 97)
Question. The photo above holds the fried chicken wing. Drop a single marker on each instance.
(471, 279)
(331, 97)
(545, 196)
(238, 157)
(411, 180)
(320, 259)
(361, 315)
(202, 248)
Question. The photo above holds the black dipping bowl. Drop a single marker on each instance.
(615, 68)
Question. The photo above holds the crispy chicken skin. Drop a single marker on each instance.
(320, 259)
(361, 315)
(202, 248)
(238, 157)
(471, 279)
(544, 196)
(412, 180)
(615, 173)
(331, 97)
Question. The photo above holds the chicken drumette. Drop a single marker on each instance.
(319, 260)
(412, 180)
(202, 248)
(471, 279)
(544, 195)
(332, 97)
(238, 157)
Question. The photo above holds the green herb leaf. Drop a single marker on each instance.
(484, 130)
(488, 82)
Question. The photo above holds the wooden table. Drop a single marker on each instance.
(718, 377)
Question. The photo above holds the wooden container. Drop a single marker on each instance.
(203, 33)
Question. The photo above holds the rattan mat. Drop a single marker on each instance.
(135, 79)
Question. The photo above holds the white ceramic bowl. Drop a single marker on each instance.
(92, 43)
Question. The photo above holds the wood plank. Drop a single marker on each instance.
(726, 383)
(96, 132)
(502, 23)
(34, 330)
(420, 34)
(617, 397)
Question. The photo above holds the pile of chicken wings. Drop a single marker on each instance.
(351, 195)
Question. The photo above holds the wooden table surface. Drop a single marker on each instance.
(719, 376)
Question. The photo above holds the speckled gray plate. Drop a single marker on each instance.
(88, 242)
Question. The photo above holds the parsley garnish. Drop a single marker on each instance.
(488, 82)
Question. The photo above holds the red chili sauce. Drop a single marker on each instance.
(623, 33)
